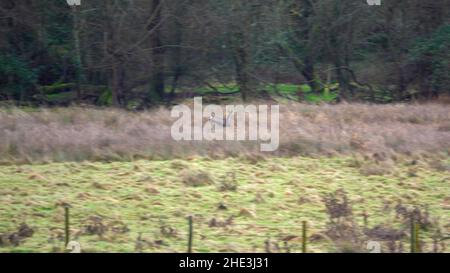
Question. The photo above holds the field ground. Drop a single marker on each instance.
(269, 198)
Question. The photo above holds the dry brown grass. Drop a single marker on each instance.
(75, 134)
(196, 178)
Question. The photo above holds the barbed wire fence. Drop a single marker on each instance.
(188, 232)
(77, 229)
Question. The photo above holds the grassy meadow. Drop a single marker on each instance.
(355, 173)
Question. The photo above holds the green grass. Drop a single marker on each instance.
(228, 88)
(289, 89)
(285, 89)
(147, 194)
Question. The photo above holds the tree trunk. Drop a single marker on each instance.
(240, 43)
(157, 79)
(76, 36)
(308, 72)
(242, 76)
(118, 82)
(176, 55)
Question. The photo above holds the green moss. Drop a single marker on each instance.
(56, 87)
(325, 97)
(222, 88)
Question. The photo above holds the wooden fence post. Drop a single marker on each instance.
(415, 242)
(191, 231)
(66, 224)
(416, 239)
(304, 237)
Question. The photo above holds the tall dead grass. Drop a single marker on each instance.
(74, 134)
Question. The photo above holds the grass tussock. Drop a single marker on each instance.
(370, 169)
(228, 182)
(196, 178)
(77, 134)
